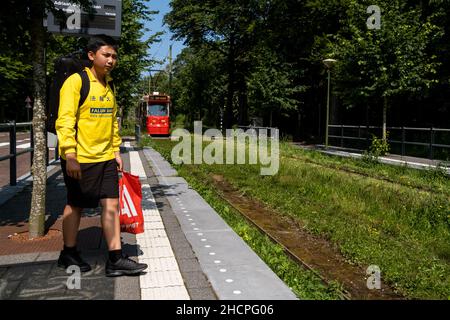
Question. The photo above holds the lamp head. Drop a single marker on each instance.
(329, 63)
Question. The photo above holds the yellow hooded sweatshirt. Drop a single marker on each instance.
(97, 135)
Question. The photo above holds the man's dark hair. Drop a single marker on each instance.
(99, 41)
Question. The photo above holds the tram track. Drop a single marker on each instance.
(362, 174)
(308, 251)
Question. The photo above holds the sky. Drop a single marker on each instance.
(160, 51)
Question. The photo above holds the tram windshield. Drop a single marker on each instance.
(157, 110)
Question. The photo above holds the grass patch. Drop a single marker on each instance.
(304, 283)
(395, 217)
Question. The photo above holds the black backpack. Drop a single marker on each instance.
(64, 67)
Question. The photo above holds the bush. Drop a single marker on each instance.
(379, 147)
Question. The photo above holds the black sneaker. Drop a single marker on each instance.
(124, 267)
(69, 259)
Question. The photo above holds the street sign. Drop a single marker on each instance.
(106, 18)
(28, 103)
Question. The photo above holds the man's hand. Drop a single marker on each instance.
(73, 168)
(119, 161)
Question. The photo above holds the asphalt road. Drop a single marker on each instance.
(23, 161)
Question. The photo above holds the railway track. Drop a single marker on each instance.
(355, 172)
(310, 252)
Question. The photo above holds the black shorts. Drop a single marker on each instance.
(98, 181)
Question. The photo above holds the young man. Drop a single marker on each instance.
(90, 158)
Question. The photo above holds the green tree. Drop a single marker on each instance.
(133, 59)
(199, 86)
(383, 63)
(271, 87)
(226, 27)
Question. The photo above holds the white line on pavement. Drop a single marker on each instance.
(23, 146)
(136, 165)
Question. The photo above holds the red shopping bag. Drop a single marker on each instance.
(131, 217)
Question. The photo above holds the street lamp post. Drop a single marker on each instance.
(328, 64)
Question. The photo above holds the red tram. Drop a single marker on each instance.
(154, 114)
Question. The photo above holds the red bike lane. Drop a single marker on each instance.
(23, 162)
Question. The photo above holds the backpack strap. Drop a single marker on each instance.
(84, 92)
(85, 87)
(111, 85)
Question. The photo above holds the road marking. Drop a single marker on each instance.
(24, 146)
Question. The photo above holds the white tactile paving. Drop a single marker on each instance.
(153, 225)
(155, 242)
(161, 264)
(152, 218)
(152, 234)
(136, 165)
(162, 280)
(159, 252)
(168, 293)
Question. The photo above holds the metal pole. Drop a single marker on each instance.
(403, 141)
(31, 144)
(328, 109)
(12, 152)
(47, 150)
(137, 132)
(431, 143)
(57, 151)
(149, 82)
(170, 70)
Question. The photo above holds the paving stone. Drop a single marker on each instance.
(7, 288)
(195, 280)
(19, 272)
(201, 294)
(38, 288)
(2, 271)
(188, 265)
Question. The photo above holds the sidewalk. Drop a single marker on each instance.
(28, 270)
(191, 252)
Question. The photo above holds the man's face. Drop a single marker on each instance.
(104, 60)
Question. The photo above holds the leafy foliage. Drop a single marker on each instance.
(16, 60)
(268, 55)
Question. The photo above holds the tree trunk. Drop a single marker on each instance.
(231, 85)
(385, 105)
(243, 102)
(38, 169)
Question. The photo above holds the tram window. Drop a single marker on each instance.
(157, 110)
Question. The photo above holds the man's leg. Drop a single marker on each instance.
(71, 224)
(117, 264)
(69, 255)
(111, 223)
